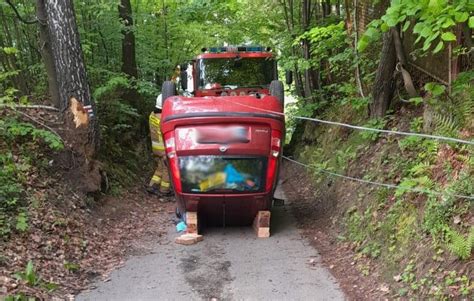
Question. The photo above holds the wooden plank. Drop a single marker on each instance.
(188, 239)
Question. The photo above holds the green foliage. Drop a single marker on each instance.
(114, 83)
(462, 246)
(121, 129)
(13, 131)
(21, 144)
(29, 275)
(453, 113)
(433, 22)
(71, 266)
(376, 123)
(324, 40)
(22, 222)
(435, 89)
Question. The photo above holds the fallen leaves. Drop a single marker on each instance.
(70, 245)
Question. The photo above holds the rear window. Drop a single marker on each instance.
(217, 174)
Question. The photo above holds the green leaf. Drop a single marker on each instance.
(438, 47)
(418, 27)
(371, 32)
(448, 23)
(406, 25)
(426, 32)
(461, 17)
(471, 22)
(363, 43)
(10, 50)
(391, 22)
(30, 273)
(426, 45)
(448, 36)
(435, 89)
(416, 100)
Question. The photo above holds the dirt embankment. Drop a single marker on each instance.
(71, 243)
(385, 243)
(68, 235)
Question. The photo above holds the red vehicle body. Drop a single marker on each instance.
(224, 141)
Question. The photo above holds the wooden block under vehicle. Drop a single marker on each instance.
(261, 224)
(191, 223)
(188, 239)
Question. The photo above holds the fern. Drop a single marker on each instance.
(456, 112)
(447, 124)
(459, 245)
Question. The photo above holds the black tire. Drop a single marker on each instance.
(168, 89)
(276, 89)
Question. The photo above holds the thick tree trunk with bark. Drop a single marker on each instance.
(47, 52)
(74, 92)
(129, 63)
(384, 85)
(75, 99)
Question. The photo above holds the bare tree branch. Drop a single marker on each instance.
(35, 20)
(38, 122)
(13, 106)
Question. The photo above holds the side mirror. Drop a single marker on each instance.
(184, 79)
(289, 77)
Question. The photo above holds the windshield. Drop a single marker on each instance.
(236, 72)
(216, 174)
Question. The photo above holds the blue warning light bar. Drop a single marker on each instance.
(236, 49)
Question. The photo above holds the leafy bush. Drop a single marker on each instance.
(121, 128)
(434, 21)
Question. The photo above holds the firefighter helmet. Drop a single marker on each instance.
(159, 102)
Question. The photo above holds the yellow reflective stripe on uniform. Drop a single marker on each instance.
(154, 120)
(165, 184)
(156, 179)
(157, 145)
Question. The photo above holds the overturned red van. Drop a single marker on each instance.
(224, 139)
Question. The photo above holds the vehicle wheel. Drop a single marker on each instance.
(276, 89)
(168, 89)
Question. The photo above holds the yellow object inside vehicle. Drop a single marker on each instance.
(215, 180)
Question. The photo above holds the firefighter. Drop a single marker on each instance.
(160, 181)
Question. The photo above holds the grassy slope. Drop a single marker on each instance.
(413, 240)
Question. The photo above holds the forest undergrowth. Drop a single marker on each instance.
(420, 243)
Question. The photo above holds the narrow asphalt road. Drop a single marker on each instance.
(230, 264)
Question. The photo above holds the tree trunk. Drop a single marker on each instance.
(310, 75)
(129, 63)
(47, 52)
(347, 9)
(328, 7)
(74, 92)
(384, 84)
